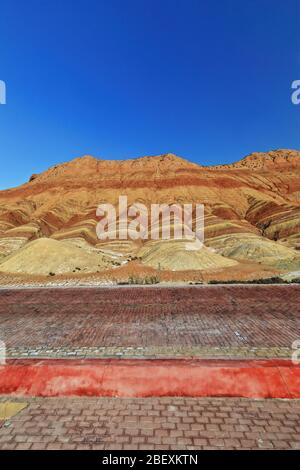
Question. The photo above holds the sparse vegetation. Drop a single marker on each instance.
(268, 280)
(135, 280)
(116, 263)
(152, 280)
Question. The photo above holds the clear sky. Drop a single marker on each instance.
(207, 80)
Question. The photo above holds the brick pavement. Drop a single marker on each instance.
(237, 321)
(206, 321)
(153, 423)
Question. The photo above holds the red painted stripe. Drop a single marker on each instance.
(144, 378)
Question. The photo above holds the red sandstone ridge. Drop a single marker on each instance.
(276, 159)
(95, 168)
(252, 212)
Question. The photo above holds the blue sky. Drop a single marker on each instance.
(207, 80)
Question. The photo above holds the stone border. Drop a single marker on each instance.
(166, 352)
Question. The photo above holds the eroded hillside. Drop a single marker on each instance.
(252, 215)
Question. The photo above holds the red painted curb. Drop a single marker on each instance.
(145, 378)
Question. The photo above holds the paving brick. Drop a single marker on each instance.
(118, 432)
(24, 446)
(91, 322)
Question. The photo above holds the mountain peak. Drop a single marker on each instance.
(280, 158)
(164, 157)
(88, 166)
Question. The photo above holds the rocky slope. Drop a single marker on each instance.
(252, 214)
